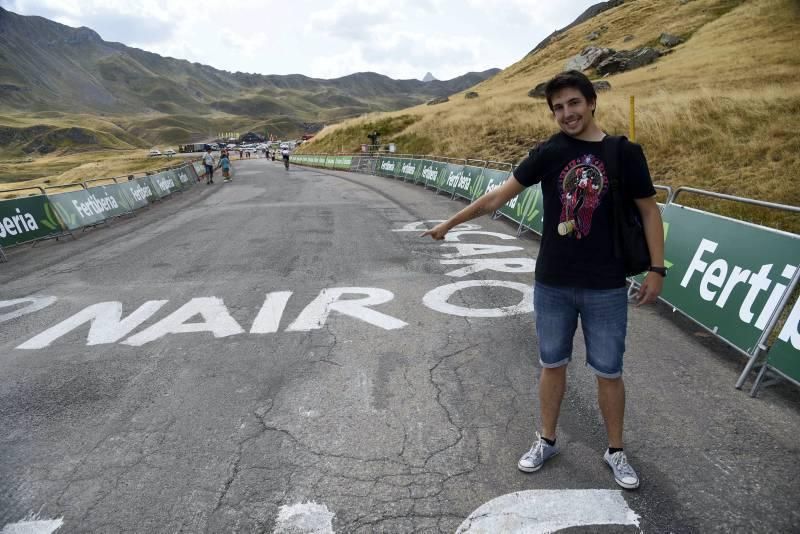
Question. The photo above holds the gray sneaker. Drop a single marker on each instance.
(540, 452)
(624, 474)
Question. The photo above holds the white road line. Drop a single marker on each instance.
(541, 511)
(36, 304)
(304, 518)
(33, 525)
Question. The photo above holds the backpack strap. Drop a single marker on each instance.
(612, 158)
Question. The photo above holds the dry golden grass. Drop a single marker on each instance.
(87, 166)
(719, 112)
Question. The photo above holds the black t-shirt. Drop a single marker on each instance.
(576, 192)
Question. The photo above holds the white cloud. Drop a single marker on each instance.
(401, 39)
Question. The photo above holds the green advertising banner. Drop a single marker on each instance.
(431, 172)
(192, 171)
(343, 162)
(105, 193)
(184, 177)
(76, 209)
(199, 168)
(721, 280)
(450, 178)
(398, 167)
(409, 169)
(27, 219)
(531, 208)
(387, 166)
(525, 208)
(139, 192)
(785, 352)
(418, 177)
(494, 179)
(470, 182)
(164, 183)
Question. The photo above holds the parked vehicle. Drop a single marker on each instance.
(154, 152)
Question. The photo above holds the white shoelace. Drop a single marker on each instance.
(620, 461)
(537, 448)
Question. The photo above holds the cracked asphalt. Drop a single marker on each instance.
(406, 430)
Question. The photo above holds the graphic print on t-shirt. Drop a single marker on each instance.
(582, 185)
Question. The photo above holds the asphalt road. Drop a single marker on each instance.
(291, 366)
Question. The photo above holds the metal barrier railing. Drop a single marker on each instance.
(760, 346)
(754, 202)
(56, 216)
(40, 188)
(502, 163)
(79, 185)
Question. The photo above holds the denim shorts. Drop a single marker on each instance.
(604, 319)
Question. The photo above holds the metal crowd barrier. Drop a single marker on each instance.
(45, 216)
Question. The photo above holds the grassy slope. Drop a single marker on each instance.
(121, 146)
(718, 113)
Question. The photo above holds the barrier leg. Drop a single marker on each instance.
(761, 345)
(748, 367)
(2, 256)
(761, 383)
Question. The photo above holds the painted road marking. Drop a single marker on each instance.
(107, 325)
(421, 226)
(36, 304)
(436, 299)
(455, 236)
(502, 265)
(316, 313)
(33, 525)
(467, 249)
(540, 511)
(209, 314)
(304, 518)
(269, 318)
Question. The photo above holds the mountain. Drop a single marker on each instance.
(718, 111)
(428, 77)
(590, 13)
(47, 66)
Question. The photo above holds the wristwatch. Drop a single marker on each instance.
(660, 270)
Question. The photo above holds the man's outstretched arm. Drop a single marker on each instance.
(488, 203)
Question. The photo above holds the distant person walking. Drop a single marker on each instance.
(578, 274)
(225, 163)
(208, 161)
(285, 155)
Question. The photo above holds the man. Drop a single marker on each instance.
(285, 155)
(577, 273)
(208, 161)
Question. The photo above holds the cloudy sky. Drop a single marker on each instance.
(323, 39)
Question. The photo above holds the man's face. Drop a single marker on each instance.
(572, 112)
